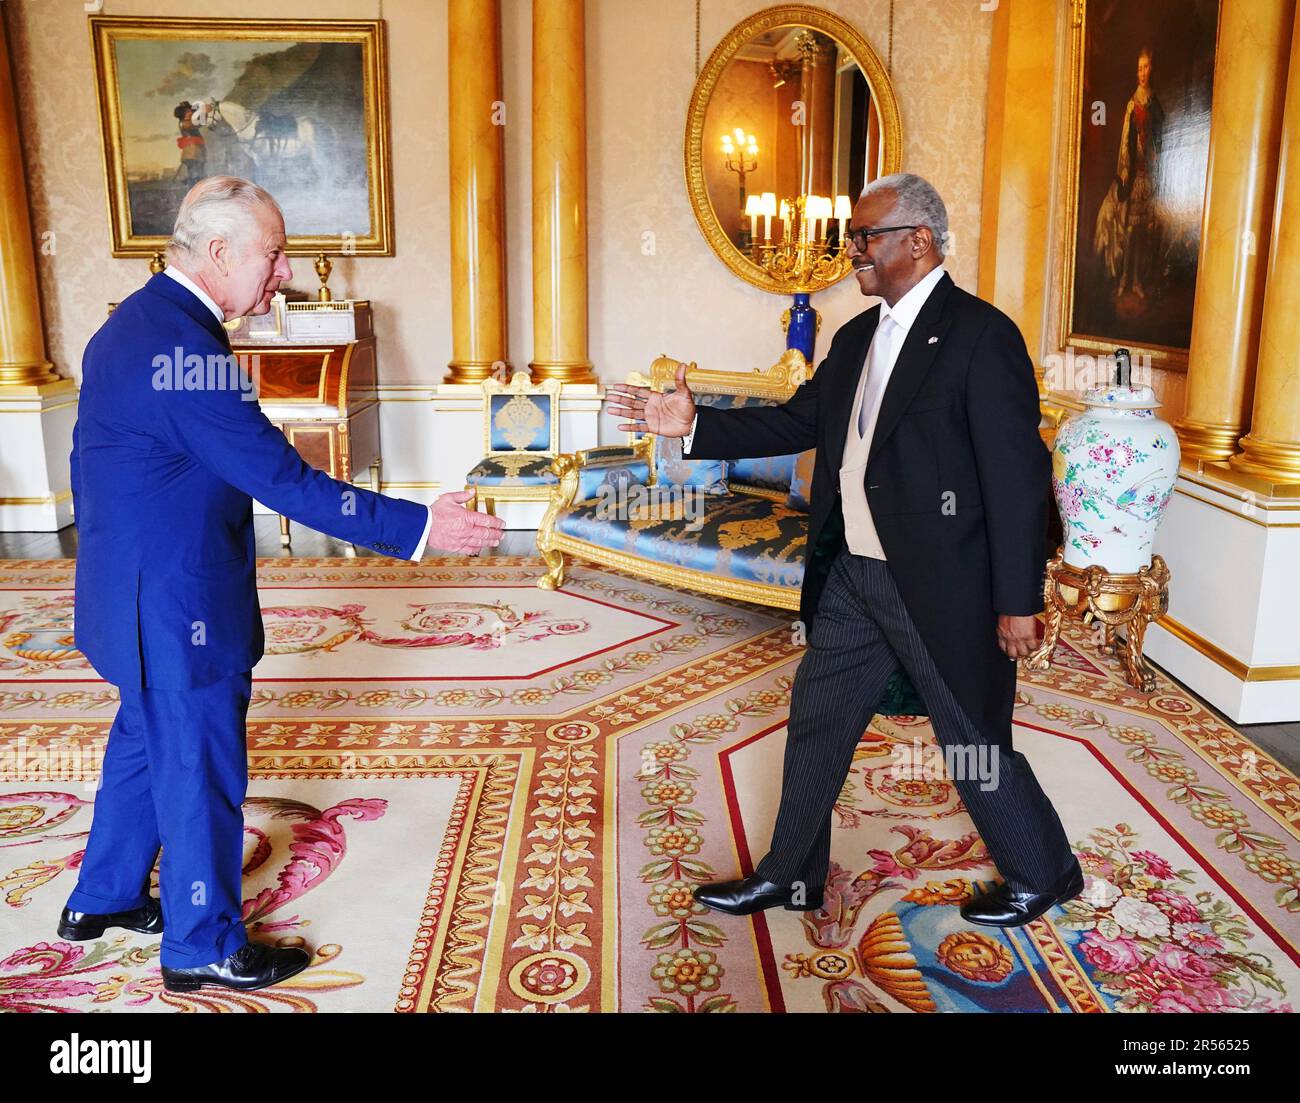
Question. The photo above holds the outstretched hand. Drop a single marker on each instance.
(669, 414)
(460, 530)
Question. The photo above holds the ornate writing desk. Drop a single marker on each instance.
(316, 378)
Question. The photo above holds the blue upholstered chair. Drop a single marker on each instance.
(521, 435)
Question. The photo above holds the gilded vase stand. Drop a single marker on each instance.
(1130, 601)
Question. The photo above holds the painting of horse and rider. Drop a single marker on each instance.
(297, 106)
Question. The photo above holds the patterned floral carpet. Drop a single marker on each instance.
(471, 794)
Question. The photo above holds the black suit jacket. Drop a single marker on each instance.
(957, 478)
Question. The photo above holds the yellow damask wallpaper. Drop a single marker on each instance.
(654, 284)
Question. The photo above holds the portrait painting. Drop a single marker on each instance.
(1143, 80)
(297, 106)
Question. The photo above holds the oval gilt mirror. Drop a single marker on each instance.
(793, 115)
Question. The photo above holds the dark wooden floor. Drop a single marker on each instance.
(1282, 741)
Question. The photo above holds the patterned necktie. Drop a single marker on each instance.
(877, 359)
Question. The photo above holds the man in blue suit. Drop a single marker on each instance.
(169, 449)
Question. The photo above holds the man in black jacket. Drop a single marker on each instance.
(926, 553)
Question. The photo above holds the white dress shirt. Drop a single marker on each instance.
(195, 290)
(891, 332)
(220, 315)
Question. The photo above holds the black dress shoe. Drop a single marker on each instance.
(1000, 907)
(80, 926)
(254, 965)
(753, 894)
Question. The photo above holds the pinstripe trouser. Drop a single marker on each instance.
(861, 636)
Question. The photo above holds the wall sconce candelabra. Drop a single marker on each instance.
(740, 151)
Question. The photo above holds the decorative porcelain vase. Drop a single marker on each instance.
(1113, 470)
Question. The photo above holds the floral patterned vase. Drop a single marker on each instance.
(1113, 469)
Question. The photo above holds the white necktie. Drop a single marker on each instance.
(878, 357)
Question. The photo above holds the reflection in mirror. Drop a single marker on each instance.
(763, 166)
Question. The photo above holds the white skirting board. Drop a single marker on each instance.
(1233, 599)
(35, 472)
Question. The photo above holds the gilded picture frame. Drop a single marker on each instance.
(1128, 277)
(299, 106)
(769, 19)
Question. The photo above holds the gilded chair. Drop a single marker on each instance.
(521, 435)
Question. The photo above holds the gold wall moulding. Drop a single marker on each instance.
(47, 500)
(827, 123)
(1259, 486)
(52, 384)
(299, 106)
(1243, 672)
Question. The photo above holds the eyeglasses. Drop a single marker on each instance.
(860, 236)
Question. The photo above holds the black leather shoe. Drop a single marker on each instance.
(1000, 907)
(254, 965)
(80, 926)
(753, 894)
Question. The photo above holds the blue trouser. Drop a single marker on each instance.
(175, 773)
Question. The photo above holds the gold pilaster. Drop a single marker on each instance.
(479, 337)
(22, 341)
(1272, 448)
(1250, 89)
(559, 193)
(1016, 212)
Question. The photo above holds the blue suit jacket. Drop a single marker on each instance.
(163, 477)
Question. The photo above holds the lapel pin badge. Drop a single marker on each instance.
(933, 341)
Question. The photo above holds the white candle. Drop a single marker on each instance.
(753, 208)
(768, 201)
(843, 211)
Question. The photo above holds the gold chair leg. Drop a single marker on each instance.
(1140, 676)
(285, 540)
(375, 471)
(553, 579)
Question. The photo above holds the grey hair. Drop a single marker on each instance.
(217, 206)
(916, 203)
